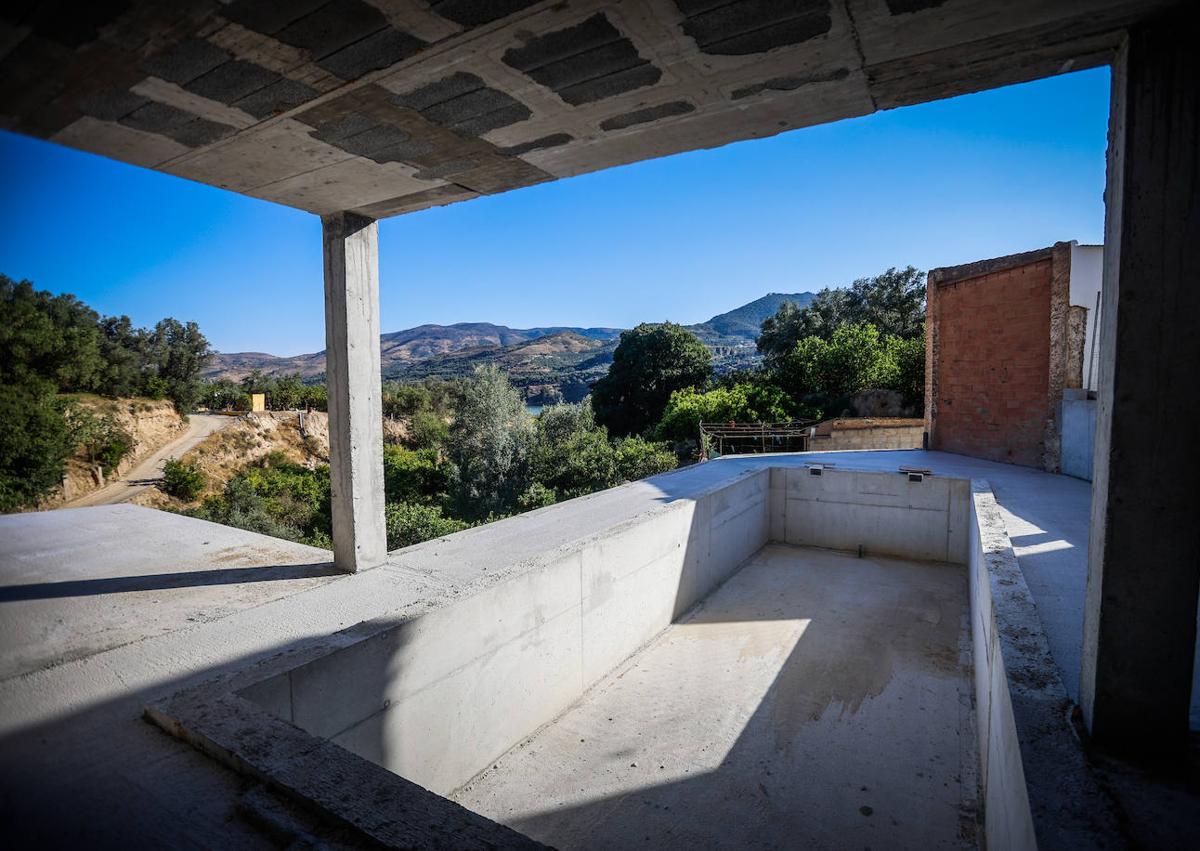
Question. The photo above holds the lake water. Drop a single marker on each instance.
(534, 409)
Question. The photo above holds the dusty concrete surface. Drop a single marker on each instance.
(80, 581)
(72, 731)
(148, 471)
(815, 700)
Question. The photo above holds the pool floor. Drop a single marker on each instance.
(816, 700)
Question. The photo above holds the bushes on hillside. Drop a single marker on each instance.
(408, 523)
(180, 480)
(57, 344)
(573, 456)
(286, 392)
(274, 497)
(105, 442)
(414, 475)
(745, 402)
(34, 443)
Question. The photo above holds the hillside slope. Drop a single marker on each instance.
(745, 322)
(398, 348)
(563, 364)
(558, 366)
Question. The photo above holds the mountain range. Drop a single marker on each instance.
(547, 363)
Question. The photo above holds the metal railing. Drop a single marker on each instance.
(750, 438)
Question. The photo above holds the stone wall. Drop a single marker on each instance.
(868, 433)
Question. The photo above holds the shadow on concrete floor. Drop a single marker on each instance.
(162, 581)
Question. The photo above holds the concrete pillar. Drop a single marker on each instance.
(351, 245)
(1144, 547)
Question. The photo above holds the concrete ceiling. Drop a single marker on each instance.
(387, 106)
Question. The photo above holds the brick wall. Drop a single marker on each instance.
(992, 388)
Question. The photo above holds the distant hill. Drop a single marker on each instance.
(559, 366)
(399, 347)
(746, 321)
(547, 363)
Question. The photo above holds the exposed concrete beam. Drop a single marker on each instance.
(351, 248)
(1144, 547)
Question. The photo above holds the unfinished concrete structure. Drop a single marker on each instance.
(1005, 339)
(307, 685)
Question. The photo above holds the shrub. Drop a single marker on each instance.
(427, 430)
(274, 497)
(98, 435)
(638, 458)
(409, 524)
(410, 475)
(111, 452)
(744, 403)
(34, 443)
(536, 495)
(180, 480)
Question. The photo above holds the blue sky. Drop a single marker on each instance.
(678, 238)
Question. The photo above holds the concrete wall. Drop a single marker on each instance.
(1078, 434)
(437, 698)
(884, 512)
(1087, 271)
(1008, 822)
(872, 433)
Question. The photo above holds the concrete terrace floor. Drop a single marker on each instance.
(815, 700)
(79, 581)
(105, 609)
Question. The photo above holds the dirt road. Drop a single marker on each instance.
(149, 470)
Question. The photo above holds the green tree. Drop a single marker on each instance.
(178, 352)
(123, 351)
(223, 395)
(286, 393)
(909, 378)
(572, 455)
(790, 324)
(180, 480)
(34, 442)
(54, 338)
(893, 301)
(488, 445)
(650, 363)
(316, 396)
(99, 435)
(427, 430)
(824, 372)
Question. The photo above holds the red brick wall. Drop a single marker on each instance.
(993, 365)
